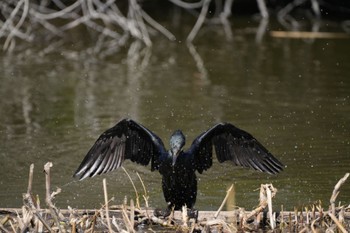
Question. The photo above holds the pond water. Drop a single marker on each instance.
(293, 95)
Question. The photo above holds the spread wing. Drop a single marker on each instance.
(126, 140)
(232, 144)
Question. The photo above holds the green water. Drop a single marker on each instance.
(293, 95)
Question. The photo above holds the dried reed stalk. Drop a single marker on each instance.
(145, 195)
(184, 216)
(31, 204)
(336, 191)
(269, 204)
(49, 196)
(127, 220)
(302, 221)
(106, 205)
(339, 225)
(224, 201)
(263, 199)
(133, 185)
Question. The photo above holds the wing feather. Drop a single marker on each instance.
(235, 145)
(126, 140)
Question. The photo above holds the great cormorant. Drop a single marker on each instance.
(131, 140)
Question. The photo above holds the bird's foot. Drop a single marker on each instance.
(162, 212)
(192, 213)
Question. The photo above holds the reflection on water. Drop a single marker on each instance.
(293, 95)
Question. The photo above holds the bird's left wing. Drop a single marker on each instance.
(126, 140)
(232, 144)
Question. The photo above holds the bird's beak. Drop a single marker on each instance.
(174, 159)
(175, 154)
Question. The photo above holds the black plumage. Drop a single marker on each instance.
(130, 140)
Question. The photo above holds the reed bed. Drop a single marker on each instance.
(131, 217)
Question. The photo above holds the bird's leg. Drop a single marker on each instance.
(192, 213)
(171, 216)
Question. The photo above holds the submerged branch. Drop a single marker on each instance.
(200, 21)
(33, 20)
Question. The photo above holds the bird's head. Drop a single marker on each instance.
(177, 141)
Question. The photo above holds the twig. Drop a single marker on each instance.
(267, 192)
(106, 205)
(336, 191)
(281, 217)
(339, 225)
(305, 229)
(341, 216)
(29, 202)
(224, 201)
(133, 185)
(3, 228)
(313, 225)
(132, 214)
(114, 222)
(307, 215)
(13, 228)
(127, 221)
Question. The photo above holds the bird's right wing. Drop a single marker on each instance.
(126, 140)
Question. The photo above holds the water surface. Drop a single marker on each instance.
(292, 95)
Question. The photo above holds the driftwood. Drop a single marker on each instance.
(309, 35)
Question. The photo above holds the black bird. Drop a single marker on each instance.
(131, 140)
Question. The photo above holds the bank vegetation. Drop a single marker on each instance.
(130, 216)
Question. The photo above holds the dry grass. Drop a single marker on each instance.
(130, 218)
